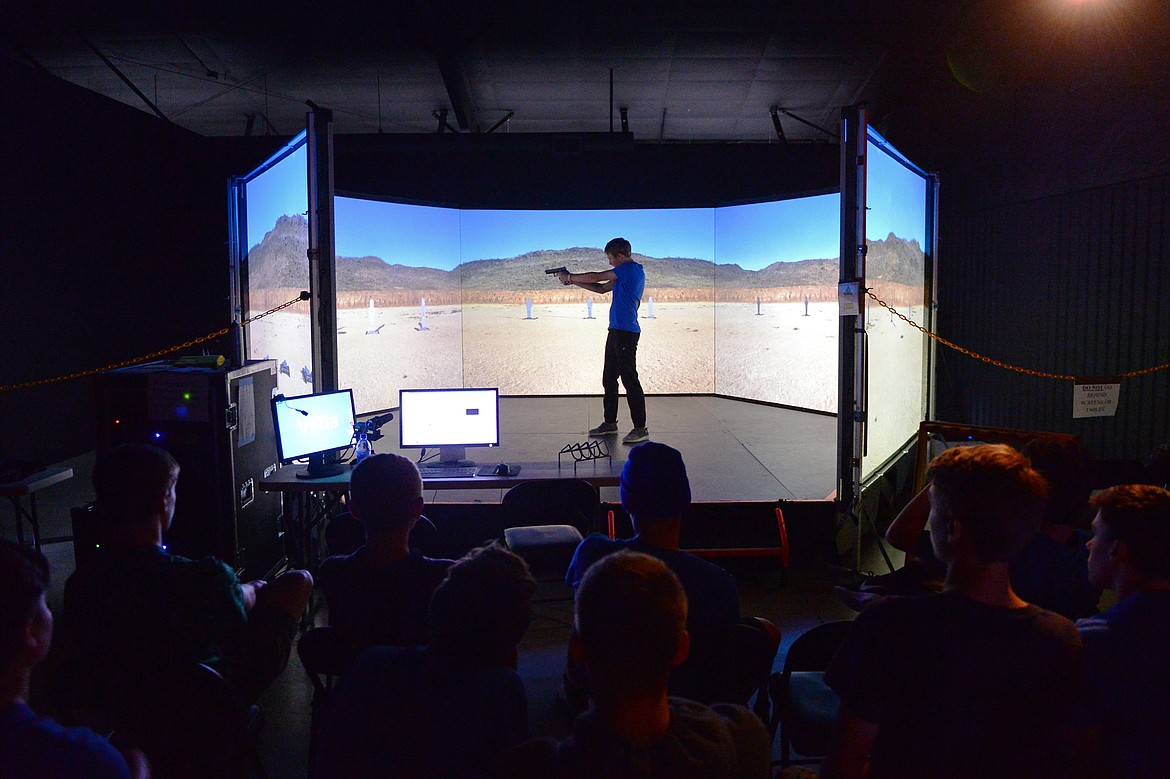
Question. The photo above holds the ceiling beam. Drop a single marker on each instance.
(458, 89)
(125, 79)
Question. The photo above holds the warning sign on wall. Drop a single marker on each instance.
(1095, 400)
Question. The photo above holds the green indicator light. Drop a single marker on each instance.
(186, 396)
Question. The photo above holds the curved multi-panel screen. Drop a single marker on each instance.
(740, 300)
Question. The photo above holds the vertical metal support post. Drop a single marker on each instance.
(851, 378)
(237, 207)
(322, 250)
(931, 303)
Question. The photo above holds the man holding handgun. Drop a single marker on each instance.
(626, 280)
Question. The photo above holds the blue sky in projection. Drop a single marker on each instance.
(752, 236)
(896, 199)
(282, 190)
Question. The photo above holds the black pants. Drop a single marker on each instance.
(621, 359)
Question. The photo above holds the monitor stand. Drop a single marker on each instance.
(318, 468)
(452, 457)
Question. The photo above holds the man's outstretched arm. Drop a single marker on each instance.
(600, 281)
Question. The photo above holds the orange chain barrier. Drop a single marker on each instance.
(185, 345)
(998, 363)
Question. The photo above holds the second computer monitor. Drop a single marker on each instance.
(450, 420)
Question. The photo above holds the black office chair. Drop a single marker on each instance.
(326, 653)
(186, 719)
(345, 533)
(544, 521)
(730, 664)
(804, 708)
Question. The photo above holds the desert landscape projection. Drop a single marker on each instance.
(740, 300)
(767, 334)
(273, 199)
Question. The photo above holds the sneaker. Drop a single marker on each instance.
(857, 599)
(636, 436)
(605, 428)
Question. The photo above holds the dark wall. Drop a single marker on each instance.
(583, 170)
(114, 246)
(1052, 154)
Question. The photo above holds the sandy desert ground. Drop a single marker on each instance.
(779, 355)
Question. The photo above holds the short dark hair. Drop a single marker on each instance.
(630, 616)
(129, 480)
(994, 492)
(481, 610)
(619, 246)
(24, 578)
(1139, 515)
(384, 488)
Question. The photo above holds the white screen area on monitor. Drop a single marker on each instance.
(449, 417)
(309, 424)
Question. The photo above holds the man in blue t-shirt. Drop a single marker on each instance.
(626, 280)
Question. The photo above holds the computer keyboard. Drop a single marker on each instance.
(439, 472)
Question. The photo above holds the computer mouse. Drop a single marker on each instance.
(501, 470)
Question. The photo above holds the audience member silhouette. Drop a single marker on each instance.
(629, 632)
(974, 681)
(1125, 646)
(1049, 572)
(1156, 471)
(33, 746)
(136, 606)
(655, 492)
(380, 594)
(1052, 570)
(442, 710)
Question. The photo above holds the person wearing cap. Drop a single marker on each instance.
(655, 492)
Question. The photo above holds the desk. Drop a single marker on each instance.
(599, 473)
(15, 490)
(314, 500)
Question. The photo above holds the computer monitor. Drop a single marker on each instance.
(314, 426)
(449, 419)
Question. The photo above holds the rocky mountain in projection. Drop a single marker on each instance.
(895, 259)
(280, 261)
(281, 257)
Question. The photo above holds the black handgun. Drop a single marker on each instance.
(561, 269)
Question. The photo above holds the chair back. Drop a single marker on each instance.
(187, 720)
(729, 664)
(345, 533)
(813, 649)
(326, 653)
(804, 708)
(553, 502)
